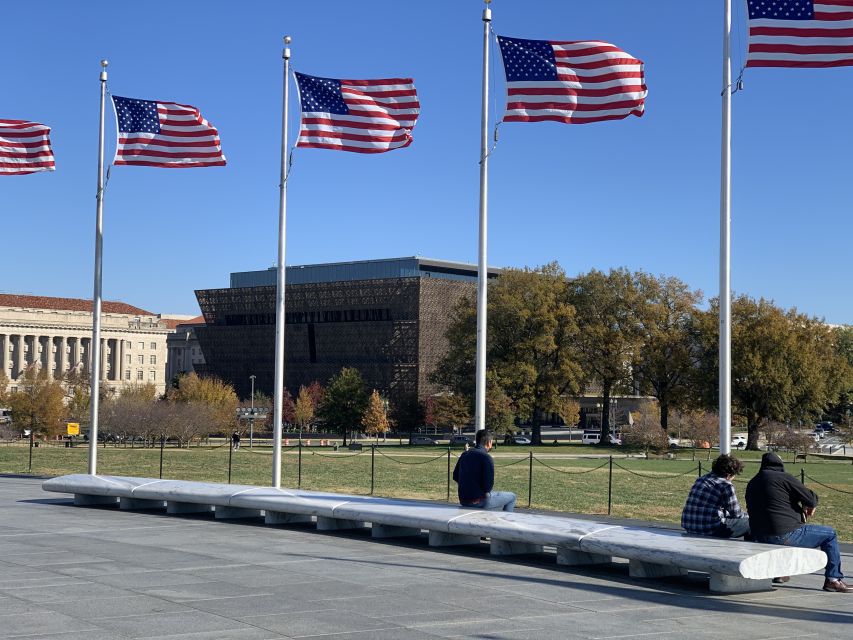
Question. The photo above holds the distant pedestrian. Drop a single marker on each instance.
(779, 506)
(475, 476)
(235, 440)
(712, 508)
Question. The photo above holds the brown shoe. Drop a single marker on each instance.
(781, 579)
(837, 585)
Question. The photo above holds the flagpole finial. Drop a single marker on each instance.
(104, 64)
(487, 12)
(286, 53)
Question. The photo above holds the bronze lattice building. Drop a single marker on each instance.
(386, 318)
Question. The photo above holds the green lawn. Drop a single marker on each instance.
(649, 489)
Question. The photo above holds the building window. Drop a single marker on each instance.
(129, 344)
(153, 360)
(128, 358)
(152, 376)
(153, 345)
(140, 358)
(141, 346)
(127, 375)
(139, 375)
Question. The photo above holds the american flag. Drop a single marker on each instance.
(572, 82)
(164, 134)
(800, 33)
(24, 148)
(365, 116)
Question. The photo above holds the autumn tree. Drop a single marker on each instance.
(644, 432)
(448, 411)
(530, 346)
(76, 385)
(796, 441)
(666, 360)
(375, 421)
(39, 403)
(212, 393)
(609, 332)
(344, 402)
(702, 428)
(288, 408)
(783, 363)
(304, 409)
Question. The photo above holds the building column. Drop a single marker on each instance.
(19, 356)
(49, 358)
(121, 365)
(103, 359)
(87, 355)
(62, 356)
(4, 353)
(35, 358)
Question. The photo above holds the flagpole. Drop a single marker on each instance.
(725, 398)
(278, 392)
(95, 347)
(482, 268)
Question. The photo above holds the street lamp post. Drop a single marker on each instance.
(252, 414)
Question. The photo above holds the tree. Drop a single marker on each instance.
(500, 412)
(374, 420)
(609, 331)
(39, 402)
(701, 427)
(76, 395)
(666, 362)
(317, 392)
(645, 432)
(304, 409)
(796, 441)
(783, 363)
(569, 411)
(218, 396)
(288, 408)
(344, 402)
(530, 346)
(448, 411)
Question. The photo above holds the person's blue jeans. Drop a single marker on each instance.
(811, 536)
(496, 501)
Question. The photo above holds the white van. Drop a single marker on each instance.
(594, 437)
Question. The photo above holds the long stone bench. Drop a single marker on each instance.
(733, 565)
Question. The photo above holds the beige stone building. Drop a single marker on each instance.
(55, 334)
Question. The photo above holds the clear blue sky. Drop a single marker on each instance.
(641, 193)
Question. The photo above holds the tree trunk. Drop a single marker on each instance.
(536, 428)
(345, 437)
(664, 416)
(605, 416)
(752, 431)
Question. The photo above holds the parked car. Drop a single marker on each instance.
(827, 427)
(461, 440)
(421, 440)
(521, 440)
(674, 443)
(738, 442)
(594, 437)
(818, 433)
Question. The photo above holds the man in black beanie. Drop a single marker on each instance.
(778, 505)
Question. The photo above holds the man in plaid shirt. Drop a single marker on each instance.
(712, 508)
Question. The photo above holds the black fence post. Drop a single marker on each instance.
(372, 467)
(230, 453)
(448, 473)
(802, 475)
(530, 480)
(31, 449)
(700, 468)
(299, 466)
(610, 486)
(162, 445)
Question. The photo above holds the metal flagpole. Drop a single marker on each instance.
(278, 391)
(482, 268)
(725, 240)
(95, 347)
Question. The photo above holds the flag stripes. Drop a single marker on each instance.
(164, 134)
(25, 147)
(364, 116)
(570, 82)
(800, 33)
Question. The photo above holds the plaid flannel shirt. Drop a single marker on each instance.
(712, 499)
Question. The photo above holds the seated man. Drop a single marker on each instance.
(475, 475)
(712, 508)
(778, 505)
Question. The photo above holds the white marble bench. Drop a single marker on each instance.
(733, 566)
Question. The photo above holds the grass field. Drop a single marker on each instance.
(648, 489)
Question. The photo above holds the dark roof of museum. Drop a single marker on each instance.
(385, 268)
(67, 304)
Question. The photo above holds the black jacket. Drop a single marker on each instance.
(775, 499)
(475, 475)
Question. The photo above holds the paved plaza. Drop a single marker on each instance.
(71, 573)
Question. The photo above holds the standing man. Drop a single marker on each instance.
(712, 508)
(475, 475)
(778, 506)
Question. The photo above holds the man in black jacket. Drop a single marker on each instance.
(475, 475)
(778, 505)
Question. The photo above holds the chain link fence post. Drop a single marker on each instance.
(610, 486)
(530, 481)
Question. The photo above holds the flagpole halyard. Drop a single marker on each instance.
(95, 347)
(278, 391)
(725, 391)
(482, 263)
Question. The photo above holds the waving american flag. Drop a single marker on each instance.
(24, 147)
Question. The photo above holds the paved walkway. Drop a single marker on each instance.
(69, 573)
